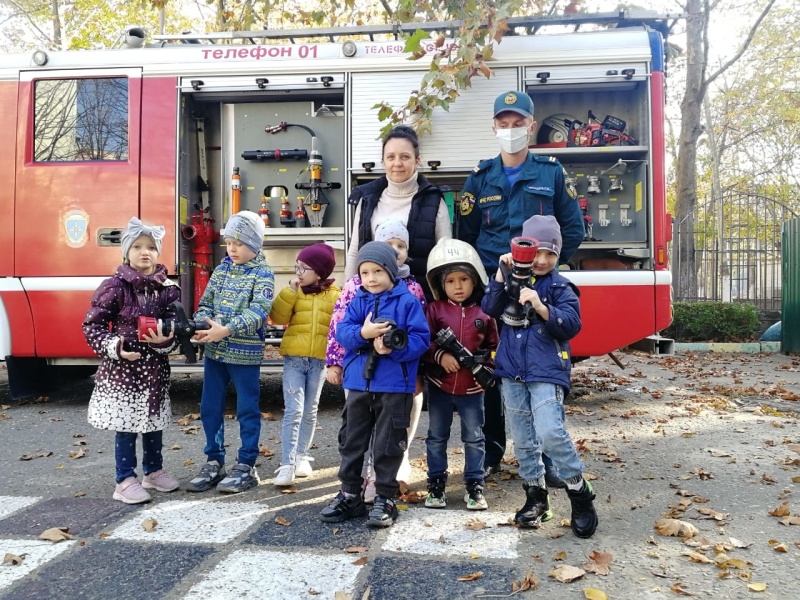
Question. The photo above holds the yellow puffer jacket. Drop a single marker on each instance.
(308, 317)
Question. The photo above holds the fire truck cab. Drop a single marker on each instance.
(91, 138)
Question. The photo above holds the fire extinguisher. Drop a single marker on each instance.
(202, 234)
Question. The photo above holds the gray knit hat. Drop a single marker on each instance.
(391, 229)
(379, 253)
(246, 227)
(545, 229)
(135, 230)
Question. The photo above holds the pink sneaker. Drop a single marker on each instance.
(131, 491)
(161, 481)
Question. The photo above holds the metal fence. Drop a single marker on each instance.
(736, 250)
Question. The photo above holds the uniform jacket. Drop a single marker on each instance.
(473, 328)
(240, 297)
(335, 354)
(130, 396)
(490, 213)
(395, 372)
(421, 223)
(308, 317)
(541, 351)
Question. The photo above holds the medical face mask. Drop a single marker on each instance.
(513, 140)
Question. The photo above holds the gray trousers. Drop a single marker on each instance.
(389, 414)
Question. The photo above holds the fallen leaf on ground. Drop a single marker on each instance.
(756, 587)
(76, 454)
(40, 454)
(282, 521)
(475, 524)
(600, 562)
(268, 416)
(149, 524)
(56, 534)
(80, 443)
(740, 544)
(13, 560)
(355, 549)
(781, 511)
(175, 447)
(678, 588)
(560, 555)
(471, 576)
(529, 582)
(566, 573)
(593, 594)
(795, 520)
(717, 516)
(697, 557)
(780, 548)
(360, 561)
(265, 451)
(717, 453)
(676, 527)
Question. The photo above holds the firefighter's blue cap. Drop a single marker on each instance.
(518, 102)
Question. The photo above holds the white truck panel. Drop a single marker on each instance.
(462, 137)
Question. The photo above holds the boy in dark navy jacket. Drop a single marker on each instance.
(534, 364)
(380, 380)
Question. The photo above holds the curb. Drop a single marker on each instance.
(745, 347)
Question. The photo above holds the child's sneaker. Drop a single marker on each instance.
(284, 475)
(536, 509)
(436, 497)
(160, 480)
(384, 512)
(584, 517)
(342, 508)
(303, 467)
(210, 475)
(474, 496)
(369, 490)
(130, 491)
(241, 478)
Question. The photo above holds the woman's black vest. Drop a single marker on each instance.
(421, 221)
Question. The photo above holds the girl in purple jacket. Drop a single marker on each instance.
(131, 393)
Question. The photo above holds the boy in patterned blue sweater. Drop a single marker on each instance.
(236, 303)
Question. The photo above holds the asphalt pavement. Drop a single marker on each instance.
(707, 440)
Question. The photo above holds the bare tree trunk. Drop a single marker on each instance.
(686, 181)
(57, 41)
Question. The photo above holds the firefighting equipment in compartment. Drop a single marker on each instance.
(280, 195)
(555, 129)
(594, 185)
(263, 212)
(202, 234)
(583, 203)
(314, 203)
(183, 328)
(286, 214)
(276, 154)
(616, 185)
(236, 191)
(594, 133)
(449, 252)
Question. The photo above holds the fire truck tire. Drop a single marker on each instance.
(29, 377)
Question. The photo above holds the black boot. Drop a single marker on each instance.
(536, 509)
(584, 516)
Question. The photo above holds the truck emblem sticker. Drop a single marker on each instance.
(76, 226)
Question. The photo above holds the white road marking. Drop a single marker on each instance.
(38, 553)
(10, 504)
(278, 576)
(444, 533)
(195, 522)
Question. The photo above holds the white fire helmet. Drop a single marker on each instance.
(448, 253)
(553, 129)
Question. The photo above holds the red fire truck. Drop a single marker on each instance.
(91, 138)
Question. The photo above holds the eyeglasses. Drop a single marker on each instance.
(300, 269)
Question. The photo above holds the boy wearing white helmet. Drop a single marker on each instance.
(458, 366)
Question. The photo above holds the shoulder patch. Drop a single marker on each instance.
(466, 204)
(570, 184)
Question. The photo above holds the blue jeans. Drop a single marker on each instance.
(440, 420)
(535, 413)
(245, 378)
(302, 385)
(125, 453)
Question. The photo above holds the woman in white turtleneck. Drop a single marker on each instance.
(401, 194)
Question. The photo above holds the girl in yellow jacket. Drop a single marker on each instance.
(306, 306)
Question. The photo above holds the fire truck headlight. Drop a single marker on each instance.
(40, 58)
(349, 48)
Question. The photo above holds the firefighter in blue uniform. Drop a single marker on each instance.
(497, 198)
